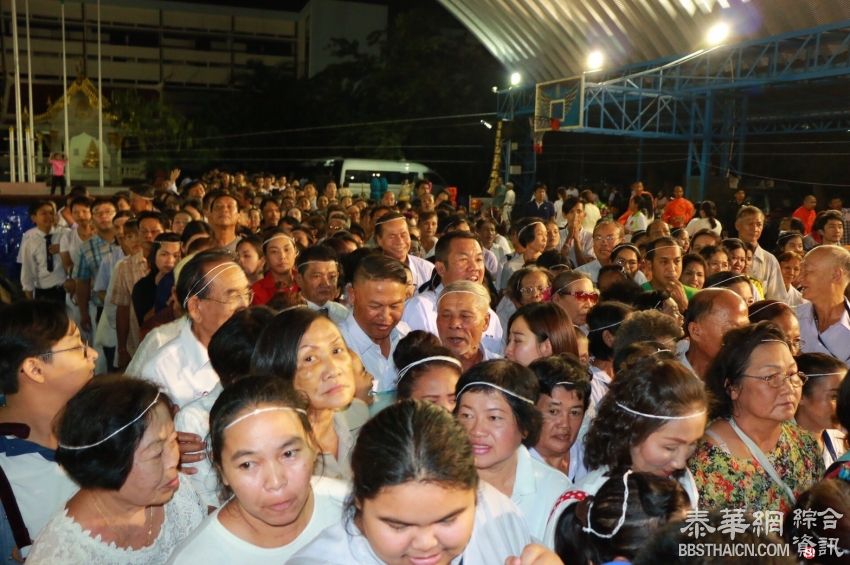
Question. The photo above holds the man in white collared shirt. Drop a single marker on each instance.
(393, 238)
(750, 223)
(374, 327)
(458, 257)
(462, 316)
(42, 272)
(211, 287)
(317, 275)
(825, 320)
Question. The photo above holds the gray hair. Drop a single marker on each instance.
(480, 294)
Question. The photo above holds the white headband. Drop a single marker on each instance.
(657, 416)
(116, 432)
(522, 229)
(762, 308)
(810, 375)
(727, 279)
(445, 292)
(571, 283)
(445, 358)
(606, 327)
(571, 383)
(221, 268)
(654, 249)
(280, 236)
(262, 411)
(589, 529)
(497, 387)
(383, 221)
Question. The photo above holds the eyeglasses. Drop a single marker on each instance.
(592, 297)
(776, 380)
(606, 239)
(84, 346)
(532, 290)
(628, 262)
(246, 297)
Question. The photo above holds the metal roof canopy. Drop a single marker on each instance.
(550, 39)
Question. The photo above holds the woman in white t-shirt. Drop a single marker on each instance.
(264, 451)
(423, 503)
(706, 219)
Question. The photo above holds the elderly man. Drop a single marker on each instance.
(374, 327)
(711, 313)
(462, 316)
(317, 275)
(458, 258)
(211, 287)
(765, 267)
(825, 320)
(393, 237)
(607, 235)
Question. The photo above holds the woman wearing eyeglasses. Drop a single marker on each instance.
(753, 455)
(527, 286)
(574, 292)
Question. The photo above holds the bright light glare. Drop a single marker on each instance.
(516, 78)
(717, 34)
(595, 60)
(486, 124)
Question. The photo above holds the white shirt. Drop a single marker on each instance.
(421, 269)
(766, 269)
(182, 368)
(33, 254)
(213, 544)
(194, 418)
(592, 270)
(155, 339)
(420, 313)
(41, 487)
(498, 532)
(329, 464)
(536, 488)
(576, 462)
(585, 243)
(795, 297)
(513, 265)
(698, 224)
(591, 216)
(834, 341)
(336, 311)
(382, 368)
(63, 540)
(504, 310)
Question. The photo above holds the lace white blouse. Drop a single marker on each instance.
(64, 541)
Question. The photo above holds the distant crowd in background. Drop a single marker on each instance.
(399, 377)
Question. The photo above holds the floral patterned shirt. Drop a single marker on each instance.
(726, 481)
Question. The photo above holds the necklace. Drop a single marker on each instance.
(148, 521)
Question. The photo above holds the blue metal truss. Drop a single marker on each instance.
(702, 99)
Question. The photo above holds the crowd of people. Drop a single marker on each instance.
(239, 369)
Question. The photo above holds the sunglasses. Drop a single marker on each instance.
(592, 297)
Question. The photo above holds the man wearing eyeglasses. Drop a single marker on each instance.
(211, 287)
(607, 235)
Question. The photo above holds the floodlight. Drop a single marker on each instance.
(717, 34)
(516, 78)
(595, 60)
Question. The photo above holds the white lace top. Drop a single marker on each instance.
(64, 541)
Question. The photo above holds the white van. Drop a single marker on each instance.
(357, 174)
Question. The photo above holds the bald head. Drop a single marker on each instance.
(824, 274)
(711, 313)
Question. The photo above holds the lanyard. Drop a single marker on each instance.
(817, 330)
(827, 443)
(763, 460)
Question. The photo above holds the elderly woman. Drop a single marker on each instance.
(528, 285)
(574, 292)
(780, 314)
(496, 404)
(462, 316)
(117, 441)
(753, 456)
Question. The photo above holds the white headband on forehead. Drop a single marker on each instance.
(571, 283)
(447, 292)
(445, 358)
(606, 327)
(279, 236)
(658, 416)
(383, 221)
(753, 313)
(810, 375)
(220, 268)
(116, 432)
(522, 229)
(262, 411)
(727, 279)
(660, 247)
(497, 387)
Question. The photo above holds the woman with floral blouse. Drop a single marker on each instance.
(753, 456)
